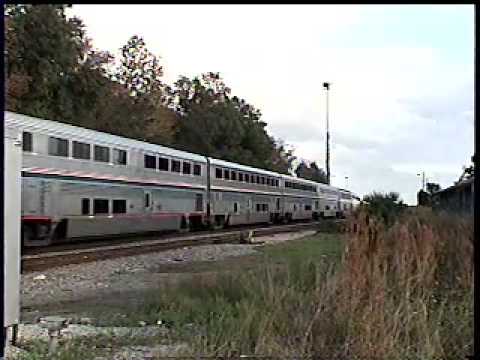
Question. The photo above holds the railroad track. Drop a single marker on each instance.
(46, 260)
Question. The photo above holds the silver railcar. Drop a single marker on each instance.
(79, 183)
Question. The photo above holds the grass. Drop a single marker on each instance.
(402, 290)
(310, 248)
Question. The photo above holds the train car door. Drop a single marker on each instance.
(199, 202)
(148, 203)
(248, 210)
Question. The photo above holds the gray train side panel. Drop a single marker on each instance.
(65, 202)
(12, 193)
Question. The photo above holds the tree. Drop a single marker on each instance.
(139, 70)
(214, 123)
(312, 172)
(386, 206)
(282, 157)
(53, 72)
(432, 188)
(423, 198)
(44, 50)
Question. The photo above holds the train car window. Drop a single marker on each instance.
(277, 182)
(85, 206)
(240, 177)
(247, 178)
(27, 141)
(81, 150)
(176, 166)
(218, 173)
(259, 207)
(327, 207)
(197, 170)
(262, 180)
(265, 207)
(269, 182)
(150, 162)
(308, 207)
(235, 208)
(163, 164)
(119, 157)
(102, 153)
(119, 206)
(57, 147)
(100, 206)
(226, 174)
(257, 179)
(187, 168)
(234, 175)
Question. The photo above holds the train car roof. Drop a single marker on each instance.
(319, 186)
(56, 128)
(231, 165)
(298, 179)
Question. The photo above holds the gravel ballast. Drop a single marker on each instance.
(93, 283)
(74, 282)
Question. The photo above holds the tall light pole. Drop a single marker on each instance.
(346, 182)
(423, 180)
(326, 85)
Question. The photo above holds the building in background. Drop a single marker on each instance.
(457, 198)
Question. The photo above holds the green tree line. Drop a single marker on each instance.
(52, 71)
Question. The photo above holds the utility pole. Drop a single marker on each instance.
(423, 180)
(326, 85)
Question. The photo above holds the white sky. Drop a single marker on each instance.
(401, 98)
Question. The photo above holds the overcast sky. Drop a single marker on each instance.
(401, 98)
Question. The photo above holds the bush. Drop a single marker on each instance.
(386, 206)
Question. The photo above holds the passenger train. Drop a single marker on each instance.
(79, 183)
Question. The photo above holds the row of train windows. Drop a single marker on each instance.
(165, 164)
(80, 150)
(102, 206)
(60, 147)
(298, 186)
(248, 178)
(262, 207)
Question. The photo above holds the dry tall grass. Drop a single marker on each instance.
(402, 292)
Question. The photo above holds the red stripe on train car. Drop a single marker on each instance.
(34, 218)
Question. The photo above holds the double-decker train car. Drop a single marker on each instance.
(329, 204)
(301, 199)
(80, 183)
(242, 194)
(345, 202)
